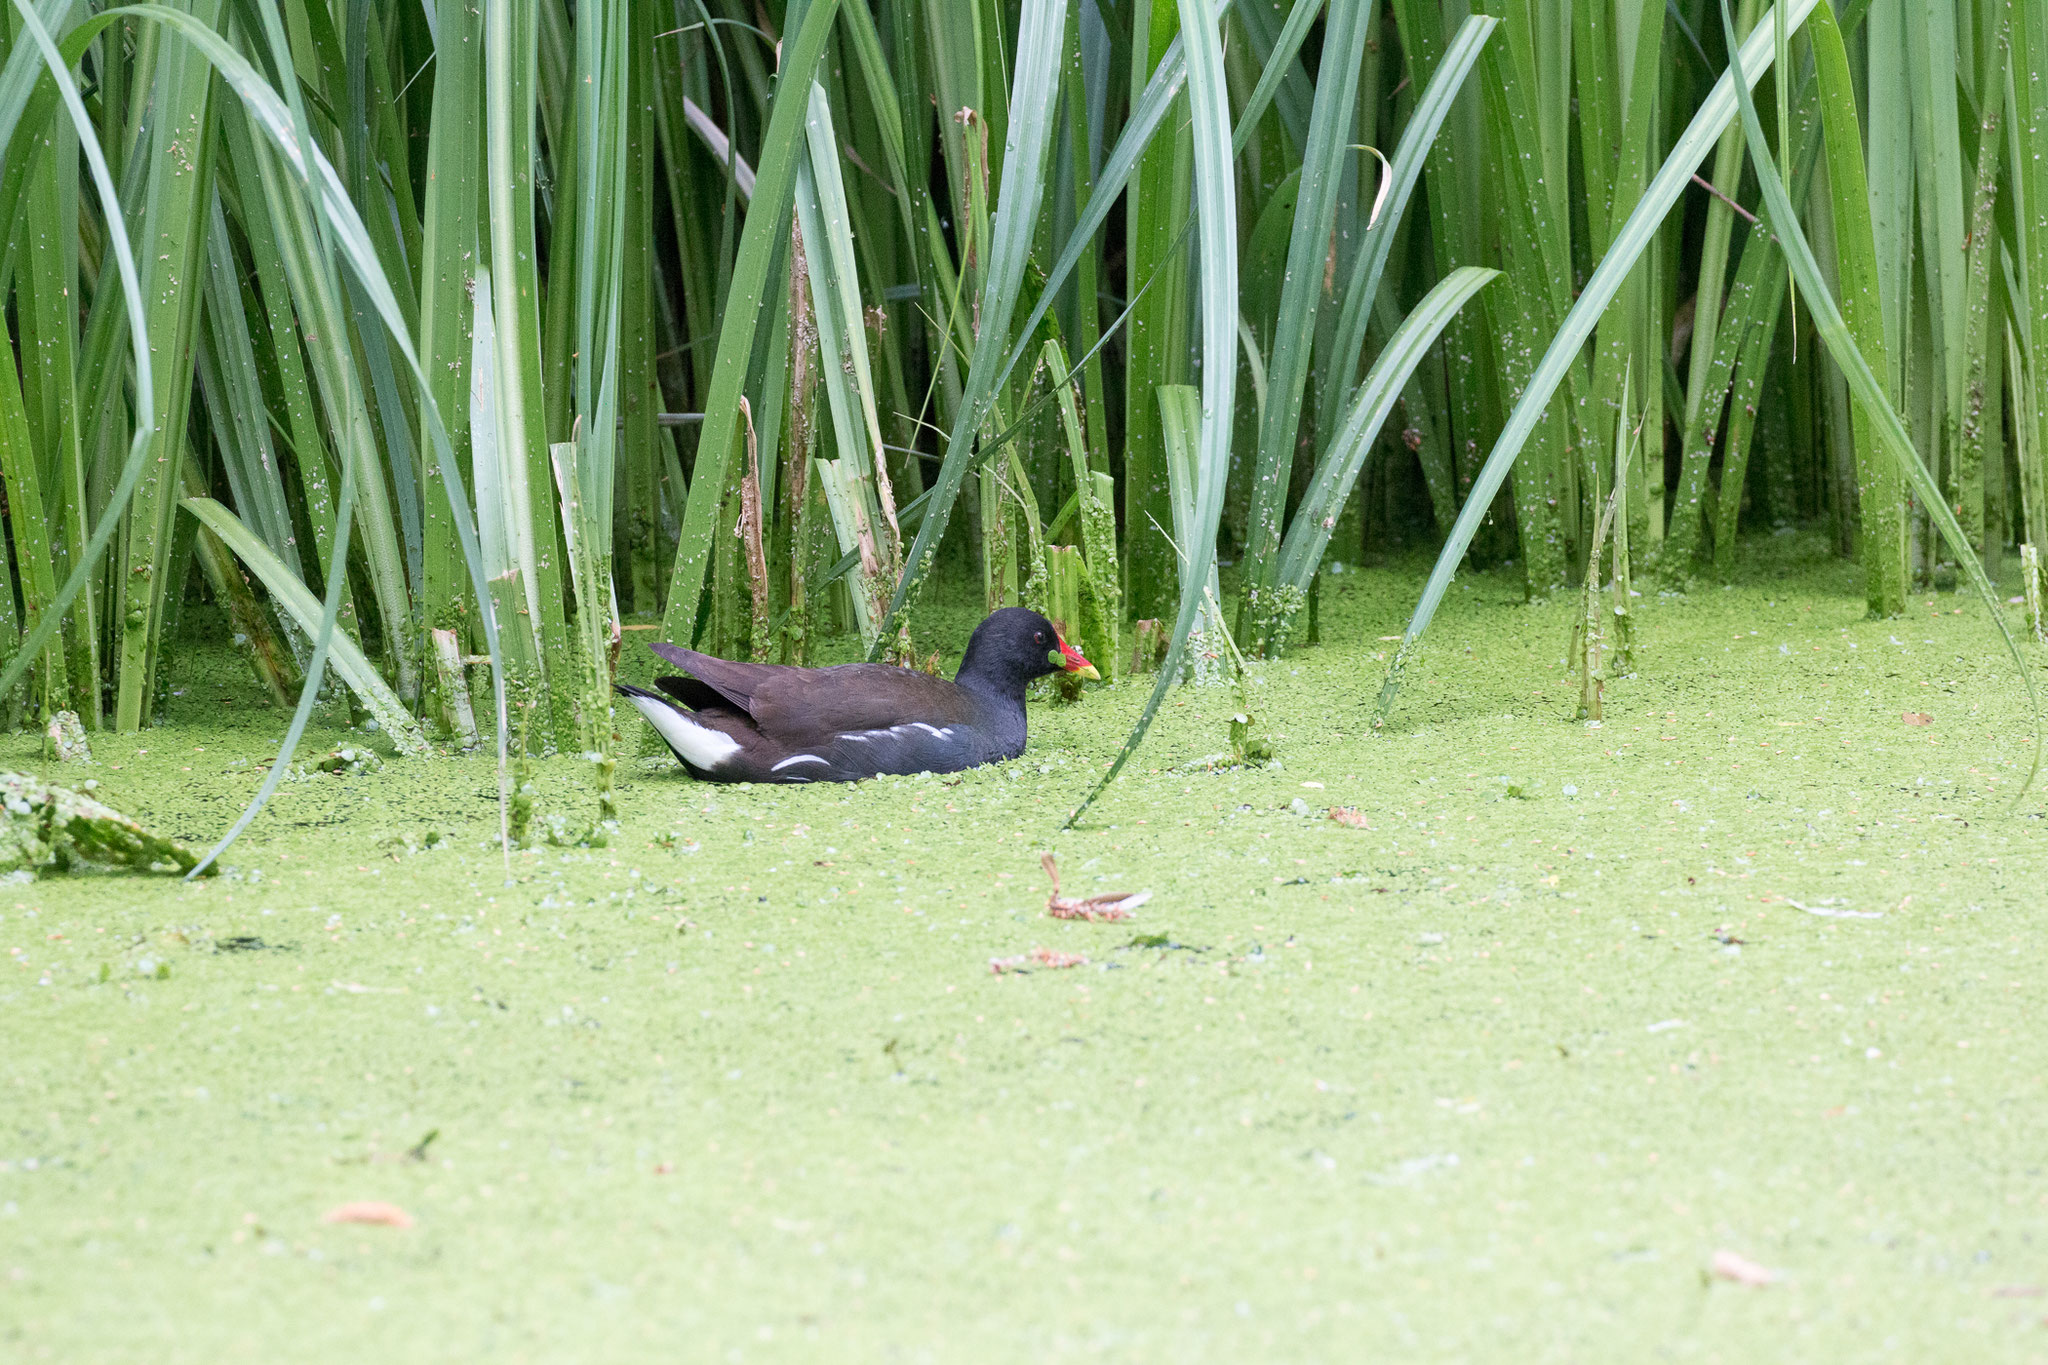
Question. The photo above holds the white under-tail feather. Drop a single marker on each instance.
(699, 745)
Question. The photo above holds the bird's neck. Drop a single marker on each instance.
(1006, 690)
(1001, 700)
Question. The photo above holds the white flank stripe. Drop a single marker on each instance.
(699, 745)
(797, 758)
(934, 731)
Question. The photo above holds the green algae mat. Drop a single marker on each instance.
(1710, 1033)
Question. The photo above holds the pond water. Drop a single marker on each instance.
(1753, 966)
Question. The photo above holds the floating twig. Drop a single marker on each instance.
(1113, 906)
(1037, 957)
(373, 1212)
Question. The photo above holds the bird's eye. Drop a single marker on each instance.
(1041, 637)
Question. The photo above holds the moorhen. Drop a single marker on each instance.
(735, 722)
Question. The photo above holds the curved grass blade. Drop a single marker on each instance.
(1295, 92)
(295, 597)
(1278, 64)
(1741, 407)
(1180, 424)
(1714, 297)
(1750, 300)
(874, 67)
(1863, 382)
(234, 399)
(1308, 534)
(325, 641)
(720, 146)
(138, 337)
(1410, 155)
(1216, 214)
(1636, 235)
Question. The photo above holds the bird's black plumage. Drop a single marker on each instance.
(743, 722)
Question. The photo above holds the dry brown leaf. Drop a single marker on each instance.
(1349, 816)
(374, 1212)
(1112, 906)
(1095, 907)
(1917, 718)
(1739, 1269)
(1037, 957)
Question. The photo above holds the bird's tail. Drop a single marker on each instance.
(695, 743)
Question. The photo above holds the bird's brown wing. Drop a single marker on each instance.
(811, 703)
(799, 706)
(692, 692)
(733, 681)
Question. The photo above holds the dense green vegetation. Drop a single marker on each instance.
(439, 341)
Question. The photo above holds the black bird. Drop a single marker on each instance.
(735, 722)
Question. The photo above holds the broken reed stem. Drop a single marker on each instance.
(2030, 577)
(751, 532)
(1590, 632)
(1622, 655)
(803, 435)
(1149, 648)
(457, 712)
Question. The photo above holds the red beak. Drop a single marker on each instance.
(1074, 662)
